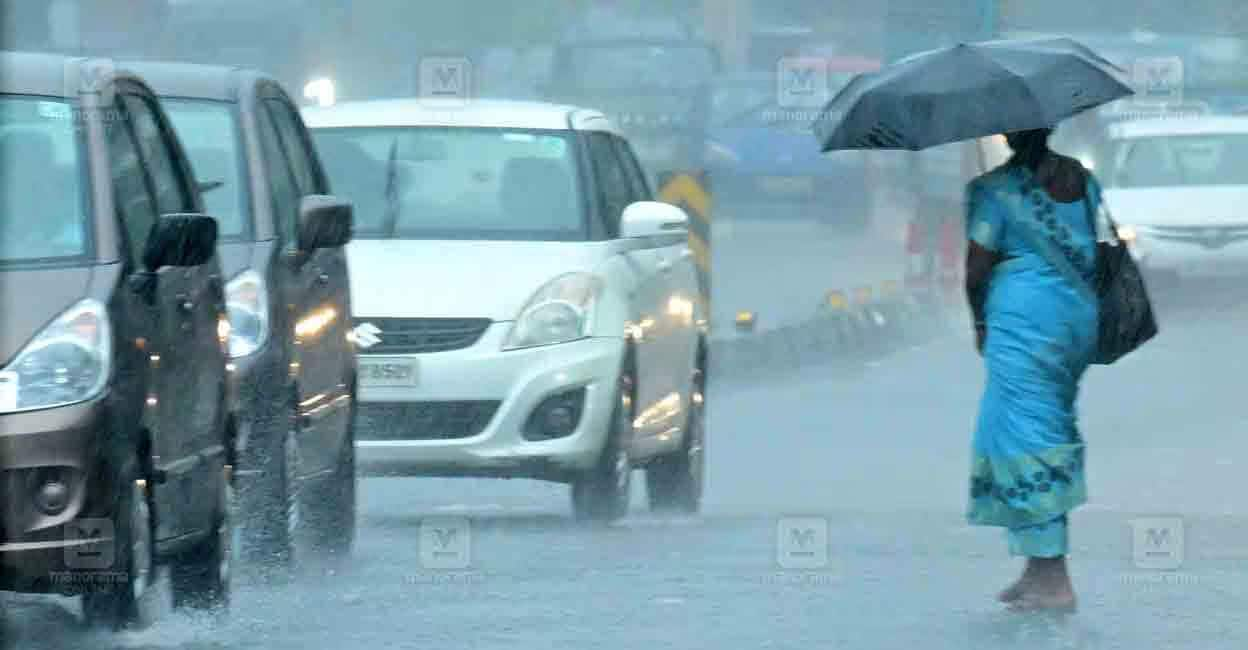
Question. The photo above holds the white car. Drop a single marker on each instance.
(1178, 188)
(522, 308)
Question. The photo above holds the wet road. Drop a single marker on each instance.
(879, 461)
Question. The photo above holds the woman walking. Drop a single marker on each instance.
(1032, 236)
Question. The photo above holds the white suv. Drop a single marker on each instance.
(522, 308)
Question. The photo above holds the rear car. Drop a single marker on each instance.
(115, 427)
(522, 308)
(1178, 190)
(655, 89)
(760, 153)
(289, 303)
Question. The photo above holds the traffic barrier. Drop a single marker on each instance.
(848, 327)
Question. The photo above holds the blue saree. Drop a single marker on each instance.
(1027, 469)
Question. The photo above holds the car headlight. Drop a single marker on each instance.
(68, 362)
(559, 312)
(247, 304)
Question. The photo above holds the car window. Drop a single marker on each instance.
(41, 183)
(157, 150)
(282, 189)
(639, 186)
(614, 187)
(1184, 160)
(457, 183)
(209, 134)
(132, 195)
(302, 161)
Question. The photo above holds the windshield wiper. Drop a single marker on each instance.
(391, 221)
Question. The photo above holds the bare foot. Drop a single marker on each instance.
(1045, 586)
(1014, 591)
(1033, 602)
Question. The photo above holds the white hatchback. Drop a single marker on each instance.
(522, 307)
(1178, 188)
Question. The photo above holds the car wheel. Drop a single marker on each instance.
(201, 576)
(272, 506)
(601, 494)
(330, 505)
(674, 482)
(127, 602)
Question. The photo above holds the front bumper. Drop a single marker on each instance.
(37, 549)
(518, 381)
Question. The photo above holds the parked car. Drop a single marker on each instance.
(523, 309)
(115, 429)
(282, 239)
(1177, 188)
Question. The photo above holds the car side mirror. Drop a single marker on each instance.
(180, 240)
(324, 222)
(651, 219)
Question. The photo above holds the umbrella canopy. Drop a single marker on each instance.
(968, 91)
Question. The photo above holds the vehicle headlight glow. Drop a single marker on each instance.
(68, 362)
(321, 91)
(559, 312)
(247, 303)
(1127, 234)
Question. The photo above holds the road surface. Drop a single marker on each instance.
(878, 461)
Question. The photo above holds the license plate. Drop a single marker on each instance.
(8, 391)
(387, 372)
(787, 184)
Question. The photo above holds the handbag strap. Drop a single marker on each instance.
(1094, 191)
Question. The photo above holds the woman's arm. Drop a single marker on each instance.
(979, 264)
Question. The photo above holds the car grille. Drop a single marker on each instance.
(1207, 236)
(423, 420)
(420, 335)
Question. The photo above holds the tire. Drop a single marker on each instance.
(275, 530)
(674, 482)
(330, 506)
(601, 494)
(201, 576)
(129, 602)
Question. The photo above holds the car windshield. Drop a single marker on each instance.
(42, 215)
(642, 65)
(1182, 160)
(209, 134)
(456, 183)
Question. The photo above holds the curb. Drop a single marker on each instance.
(848, 328)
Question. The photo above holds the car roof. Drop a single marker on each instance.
(48, 75)
(195, 81)
(1178, 125)
(490, 113)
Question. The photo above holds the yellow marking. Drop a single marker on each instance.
(837, 300)
(701, 252)
(684, 187)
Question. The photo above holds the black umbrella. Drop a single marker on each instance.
(968, 91)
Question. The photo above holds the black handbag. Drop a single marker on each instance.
(1127, 320)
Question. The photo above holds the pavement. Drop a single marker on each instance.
(833, 519)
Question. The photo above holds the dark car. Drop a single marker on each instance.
(115, 427)
(761, 153)
(655, 89)
(289, 304)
